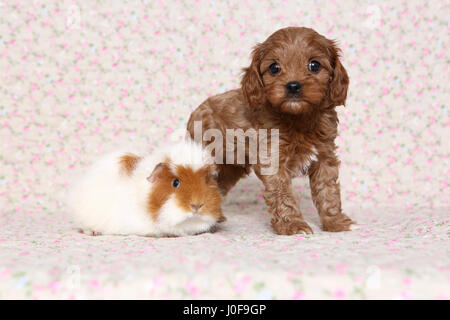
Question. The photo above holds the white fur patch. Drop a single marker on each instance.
(174, 221)
(170, 214)
(188, 153)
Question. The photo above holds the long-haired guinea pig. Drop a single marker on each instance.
(172, 192)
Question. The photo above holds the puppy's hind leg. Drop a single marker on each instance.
(229, 175)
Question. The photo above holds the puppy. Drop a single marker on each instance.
(293, 84)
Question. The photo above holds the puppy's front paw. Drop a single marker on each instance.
(291, 226)
(338, 223)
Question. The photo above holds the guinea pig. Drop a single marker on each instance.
(172, 192)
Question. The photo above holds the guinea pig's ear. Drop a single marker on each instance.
(339, 80)
(252, 84)
(157, 172)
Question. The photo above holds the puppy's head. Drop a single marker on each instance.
(295, 70)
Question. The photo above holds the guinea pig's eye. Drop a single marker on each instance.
(314, 66)
(175, 183)
(274, 68)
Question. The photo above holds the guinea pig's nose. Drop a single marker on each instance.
(293, 87)
(196, 207)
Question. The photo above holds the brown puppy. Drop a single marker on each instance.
(293, 84)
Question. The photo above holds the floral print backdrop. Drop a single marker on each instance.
(81, 78)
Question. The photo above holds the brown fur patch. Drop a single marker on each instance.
(161, 191)
(196, 188)
(128, 162)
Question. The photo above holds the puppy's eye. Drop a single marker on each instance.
(274, 68)
(175, 183)
(314, 66)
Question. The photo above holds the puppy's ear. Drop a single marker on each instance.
(252, 84)
(339, 79)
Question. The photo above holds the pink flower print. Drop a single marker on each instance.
(339, 294)
(242, 284)
(94, 283)
(299, 295)
(193, 290)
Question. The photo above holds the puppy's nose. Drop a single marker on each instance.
(293, 87)
(196, 207)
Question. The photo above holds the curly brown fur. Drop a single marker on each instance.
(306, 120)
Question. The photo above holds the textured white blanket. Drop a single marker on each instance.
(395, 254)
